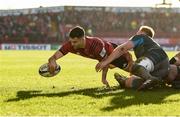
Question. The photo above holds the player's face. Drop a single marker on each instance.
(76, 42)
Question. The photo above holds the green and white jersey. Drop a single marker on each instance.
(147, 47)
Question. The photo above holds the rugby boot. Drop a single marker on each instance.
(120, 79)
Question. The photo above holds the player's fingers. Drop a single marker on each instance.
(99, 70)
(51, 68)
(107, 84)
(100, 66)
(97, 67)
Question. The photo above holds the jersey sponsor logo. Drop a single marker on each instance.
(103, 52)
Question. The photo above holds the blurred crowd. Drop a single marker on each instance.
(53, 27)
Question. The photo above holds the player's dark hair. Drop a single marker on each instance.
(148, 30)
(77, 32)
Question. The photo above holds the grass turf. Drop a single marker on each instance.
(76, 90)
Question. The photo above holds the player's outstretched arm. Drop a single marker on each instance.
(118, 51)
(104, 75)
(52, 61)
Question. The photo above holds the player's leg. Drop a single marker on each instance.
(145, 69)
(173, 72)
(142, 68)
(160, 71)
(151, 62)
(174, 77)
(132, 81)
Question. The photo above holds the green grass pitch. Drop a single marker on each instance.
(76, 90)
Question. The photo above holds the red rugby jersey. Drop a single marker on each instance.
(95, 48)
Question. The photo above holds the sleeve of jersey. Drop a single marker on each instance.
(99, 48)
(65, 48)
(137, 40)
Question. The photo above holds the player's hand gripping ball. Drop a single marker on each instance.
(44, 70)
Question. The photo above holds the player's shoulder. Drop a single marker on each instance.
(93, 39)
(137, 37)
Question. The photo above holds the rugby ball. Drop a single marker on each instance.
(44, 70)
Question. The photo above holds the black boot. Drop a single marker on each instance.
(120, 79)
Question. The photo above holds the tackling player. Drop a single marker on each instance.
(173, 77)
(152, 62)
(90, 47)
